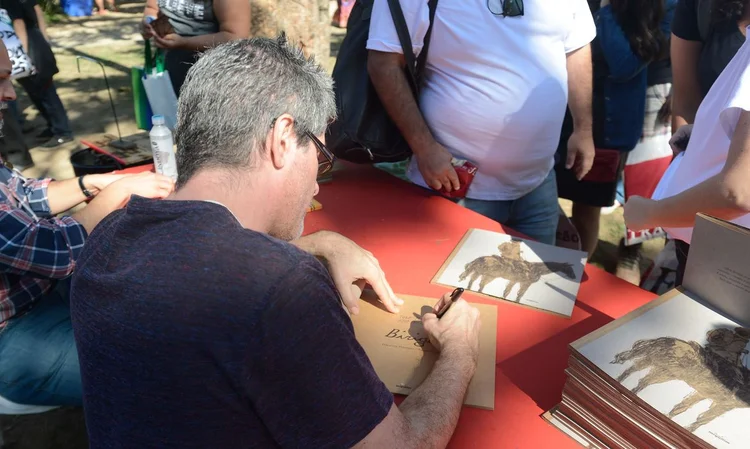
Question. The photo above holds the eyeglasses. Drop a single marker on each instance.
(506, 8)
(325, 157)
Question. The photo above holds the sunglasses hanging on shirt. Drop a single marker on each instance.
(506, 8)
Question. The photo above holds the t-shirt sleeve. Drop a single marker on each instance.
(383, 36)
(318, 389)
(740, 98)
(685, 22)
(582, 29)
(14, 8)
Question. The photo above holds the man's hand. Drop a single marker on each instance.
(435, 165)
(680, 139)
(457, 332)
(581, 153)
(169, 42)
(351, 268)
(639, 213)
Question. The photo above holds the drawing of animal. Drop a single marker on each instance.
(714, 372)
(488, 268)
(511, 250)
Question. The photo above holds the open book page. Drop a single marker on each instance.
(522, 271)
(685, 360)
(401, 352)
(718, 268)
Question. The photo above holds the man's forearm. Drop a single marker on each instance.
(580, 88)
(432, 410)
(392, 87)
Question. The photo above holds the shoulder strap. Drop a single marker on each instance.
(403, 36)
(432, 5)
(705, 18)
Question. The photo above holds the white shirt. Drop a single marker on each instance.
(495, 88)
(715, 122)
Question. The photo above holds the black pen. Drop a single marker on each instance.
(454, 297)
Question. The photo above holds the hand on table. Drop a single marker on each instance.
(435, 166)
(457, 332)
(581, 153)
(351, 268)
(639, 213)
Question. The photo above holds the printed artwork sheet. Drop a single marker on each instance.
(533, 274)
(401, 352)
(686, 361)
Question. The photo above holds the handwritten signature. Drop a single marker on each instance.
(403, 335)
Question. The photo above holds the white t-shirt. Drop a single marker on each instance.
(496, 87)
(715, 123)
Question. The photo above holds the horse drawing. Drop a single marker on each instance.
(488, 268)
(714, 372)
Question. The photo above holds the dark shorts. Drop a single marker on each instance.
(599, 187)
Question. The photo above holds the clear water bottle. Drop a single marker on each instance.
(163, 148)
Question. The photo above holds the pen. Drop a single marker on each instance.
(454, 297)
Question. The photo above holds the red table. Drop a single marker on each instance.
(412, 232)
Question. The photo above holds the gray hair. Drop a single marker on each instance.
(235, 91)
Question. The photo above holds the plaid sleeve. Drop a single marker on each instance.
(36, 192)
(46, 248)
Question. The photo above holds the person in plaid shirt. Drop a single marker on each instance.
(38, 358)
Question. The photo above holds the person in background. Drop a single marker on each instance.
(198, 25)
(706, 35)
(630, 35)
(341, 15)
(40, 87)
(651, 156)
(38, 358)
(495, 91)
(101, 10)
(710, 175)
(205, 321)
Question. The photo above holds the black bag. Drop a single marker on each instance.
(364, 132)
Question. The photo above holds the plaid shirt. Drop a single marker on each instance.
(35, 248)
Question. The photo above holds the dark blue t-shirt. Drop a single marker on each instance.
(194, 332)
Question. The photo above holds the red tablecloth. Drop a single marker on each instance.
(412, 232)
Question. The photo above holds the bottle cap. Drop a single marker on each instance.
(157, 120)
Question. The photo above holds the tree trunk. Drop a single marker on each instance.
(306, 22)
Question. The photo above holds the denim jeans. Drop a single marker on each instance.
(38, 357)
(44, 96)
(535, 214)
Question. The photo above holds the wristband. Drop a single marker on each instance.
(83, 188)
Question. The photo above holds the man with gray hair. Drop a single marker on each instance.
(205, 321)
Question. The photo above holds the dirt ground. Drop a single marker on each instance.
(113, 39)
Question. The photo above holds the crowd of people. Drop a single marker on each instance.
(116, 307)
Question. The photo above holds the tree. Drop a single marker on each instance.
(306, 22)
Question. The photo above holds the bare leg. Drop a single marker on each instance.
(485, 280)
(508, 289)
(524, 286)
(689, 401)
(709, 415)
(586, 220)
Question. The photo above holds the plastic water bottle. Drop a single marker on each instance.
(163, 148)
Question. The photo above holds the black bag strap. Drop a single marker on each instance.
(413, 70)
(704, 12)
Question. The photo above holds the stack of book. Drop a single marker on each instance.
(673, 373)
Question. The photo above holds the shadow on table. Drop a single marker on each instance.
(539, 370)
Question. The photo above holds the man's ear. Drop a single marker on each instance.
(281, 141)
